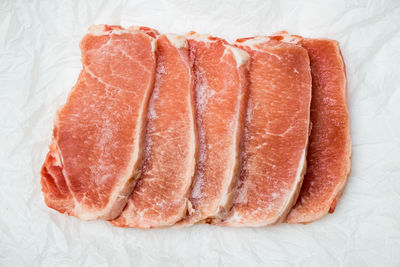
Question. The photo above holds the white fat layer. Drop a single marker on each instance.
(299, 177)
(190, 208)
(290, 39)
(153, 45)
(98, 30)
(176, 40)
(254, 41)
(134, 28)
(199, 37)
(241, 56)
(287, 38)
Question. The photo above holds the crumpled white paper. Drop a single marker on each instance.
(40, 62)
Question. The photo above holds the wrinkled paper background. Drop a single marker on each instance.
(40, 61)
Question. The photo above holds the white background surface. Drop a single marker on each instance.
(40, 61)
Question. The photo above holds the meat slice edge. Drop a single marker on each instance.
(221, 95)
(95, 154)
(161, 196)
(329, 149)
(276, 133)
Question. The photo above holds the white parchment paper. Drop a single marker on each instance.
(40, 62)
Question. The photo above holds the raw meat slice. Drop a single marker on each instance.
(276, 133)
(329, 149)
(161, 196)
(221, 95)
(95, 155)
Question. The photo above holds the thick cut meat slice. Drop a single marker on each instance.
(95, 153)
(329, 149)
(221, 95)
(276, 133)
(161, 196)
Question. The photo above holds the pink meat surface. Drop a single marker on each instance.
(276, 133)
(221, 95)
(161, 195)
(329, 149)
(95, 153)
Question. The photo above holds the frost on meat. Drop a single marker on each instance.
(221, 95)
(224, 130)
(276, 133)
(161, 195)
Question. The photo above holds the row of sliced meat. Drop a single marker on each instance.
(165, 129)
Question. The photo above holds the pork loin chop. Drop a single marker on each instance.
(161, 196)
(95, 154)
(329, 148)
(276, 133)
(221, 96)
